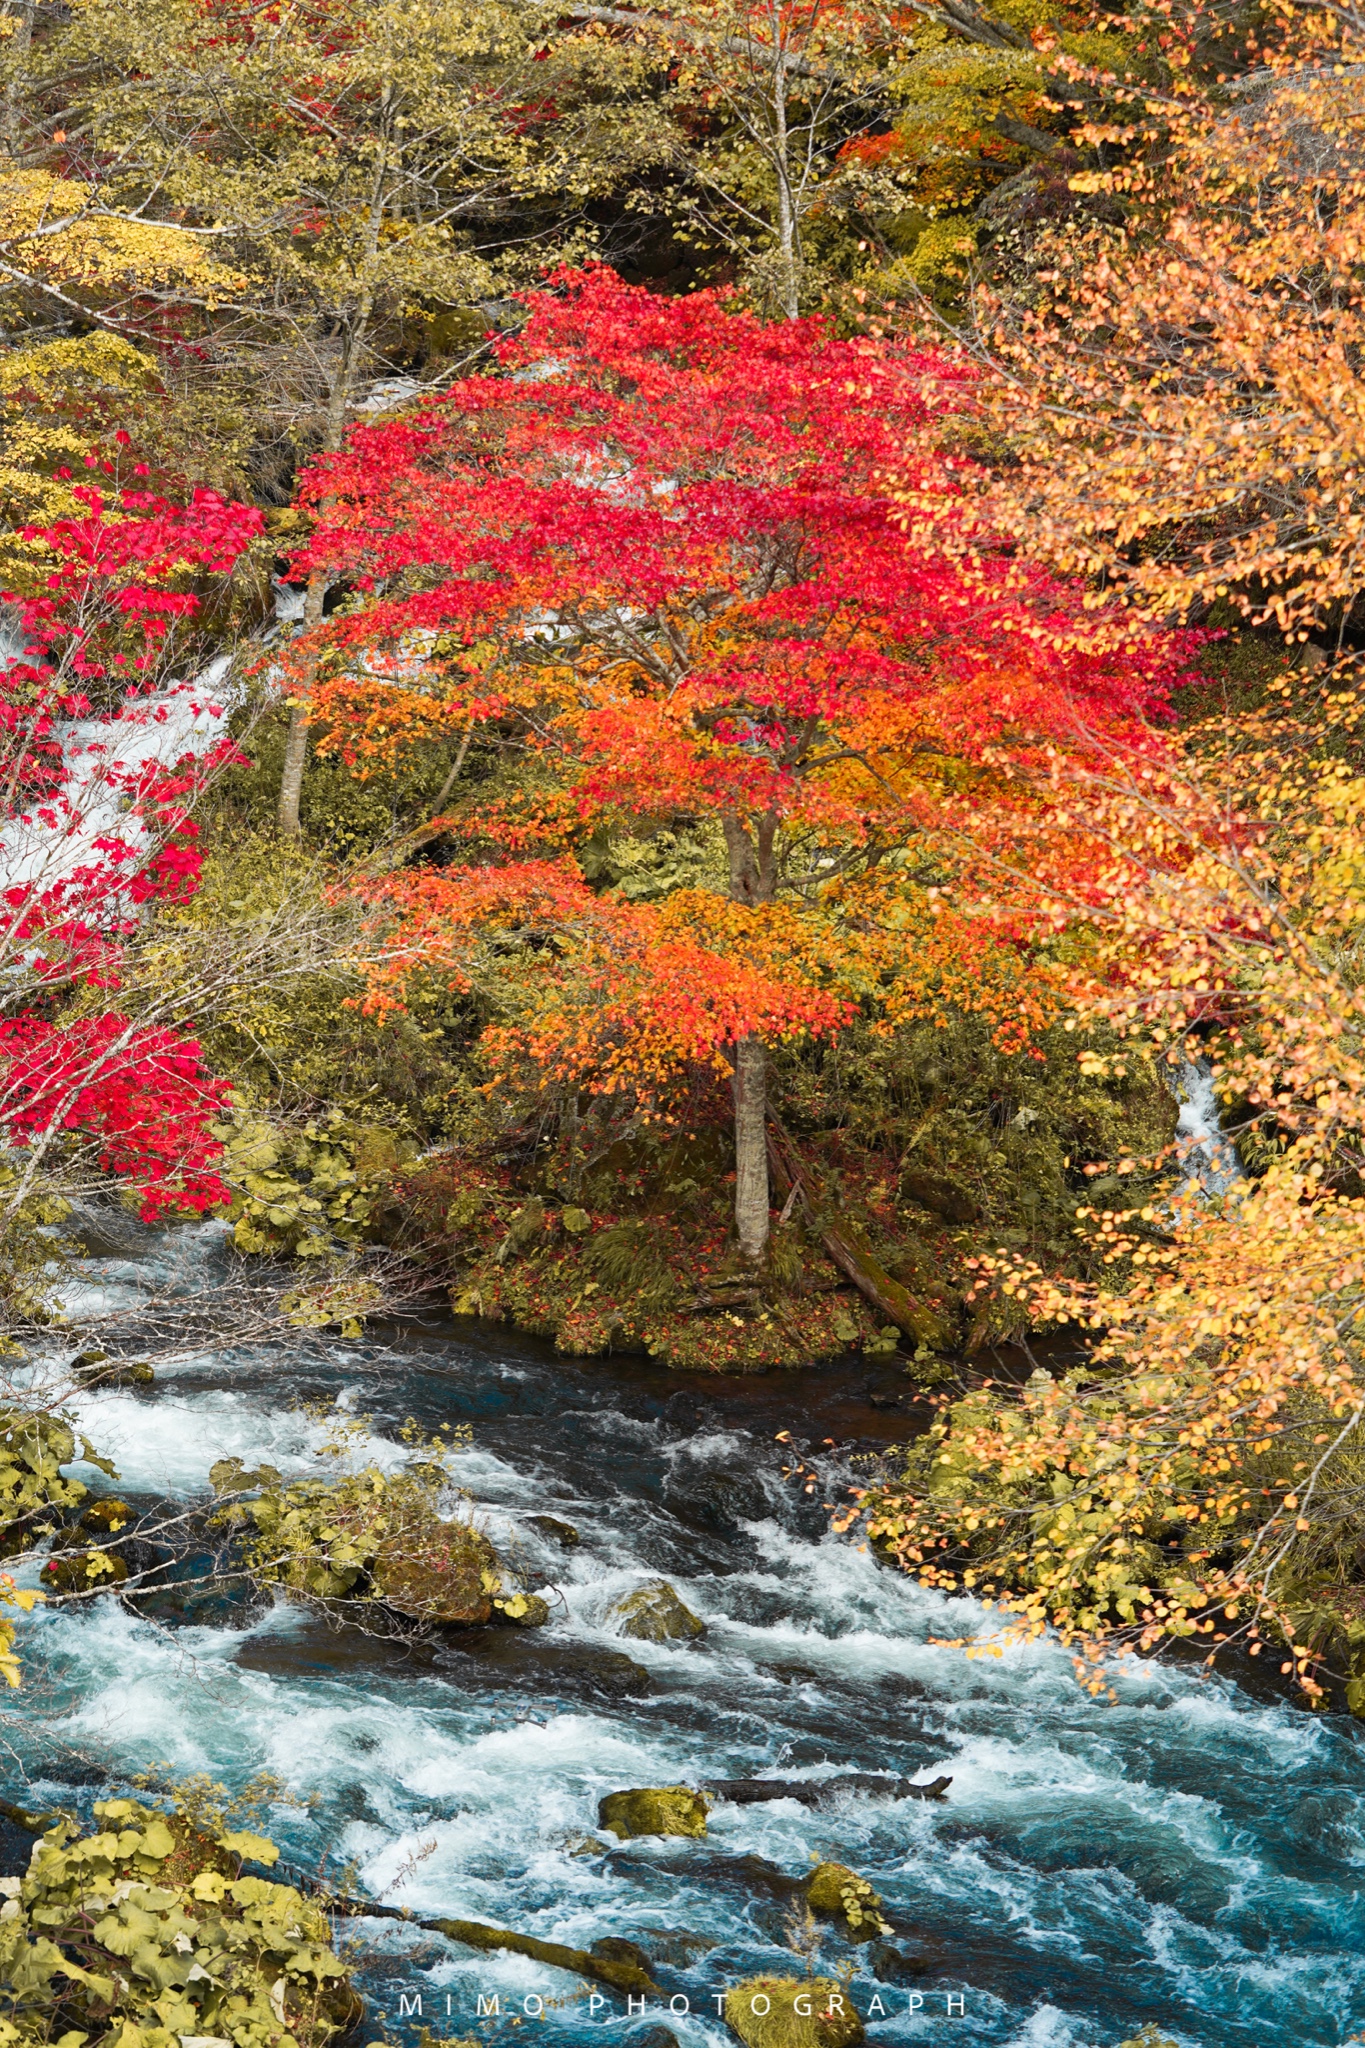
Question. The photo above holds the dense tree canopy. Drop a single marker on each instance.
(652, 546)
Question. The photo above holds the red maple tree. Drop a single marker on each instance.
(652, 552)
(98, 776)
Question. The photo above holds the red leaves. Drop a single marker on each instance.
(117, 570)
(139, 1093)
(95, 826)
(658, 548)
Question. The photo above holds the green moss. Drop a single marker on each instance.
(655, 1614)
(793, 2012)
(654, 1810)
(838, 1893)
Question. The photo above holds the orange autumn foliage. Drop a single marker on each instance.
(1179, 386)
(1200, 1475)
(650, 561)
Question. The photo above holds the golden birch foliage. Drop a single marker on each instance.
(1182, 390)
(65, 232)
(364, 166)
(1202, 1474)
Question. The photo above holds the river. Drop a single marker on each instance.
(1190, 1856)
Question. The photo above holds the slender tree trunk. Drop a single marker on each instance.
(789, 289)
(753, 879)
(296, 746)
(20, 43)
(751, 1148)
(334, 431)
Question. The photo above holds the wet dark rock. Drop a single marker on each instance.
(617, 1949)
(332, 1651)
(821, 1791)
(797, 1674)
(653, 2037)
(679, 1947)
(563, 1533)
(655, 1614)
(545, 1664)
(747, 1874)
(721, 1501)
(891, 1965)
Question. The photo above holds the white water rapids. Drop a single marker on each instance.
(1191, 1856)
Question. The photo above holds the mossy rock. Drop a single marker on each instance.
(793, 2012)
(97, 1368)
(84, 1571)
(838, 1893)
(654, 1810)
(563, 1533)
(106, 1517)
(523, 1610)
(442, 1572)
(655, 1614)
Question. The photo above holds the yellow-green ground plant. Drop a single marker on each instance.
(149, 1931)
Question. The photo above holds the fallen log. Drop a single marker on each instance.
(32, 1823)
(849, 1250)
(620, 1974)
(817, 1791)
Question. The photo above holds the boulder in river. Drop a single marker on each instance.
(441, 1572)
(654, 1810)
(793, 2012)
(84, 1571)
(655, 1614)
(523, 1610)
(563, 1533)
(837, 1893)
(97, 1368)
(616, 1949)
(106, 1517)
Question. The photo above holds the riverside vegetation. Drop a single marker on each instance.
(666, 668)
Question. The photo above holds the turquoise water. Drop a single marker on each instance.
(1191, 1856)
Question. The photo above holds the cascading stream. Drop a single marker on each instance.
(1190, 1856)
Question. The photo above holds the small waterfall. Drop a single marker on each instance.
(1208, 1157)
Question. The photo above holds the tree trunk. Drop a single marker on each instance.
(751, 1148)
(296, 746)
(753, 880)
(334, 433)
(789, 263)
(850, 1252)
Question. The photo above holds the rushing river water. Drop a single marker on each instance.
(1191, 1856)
